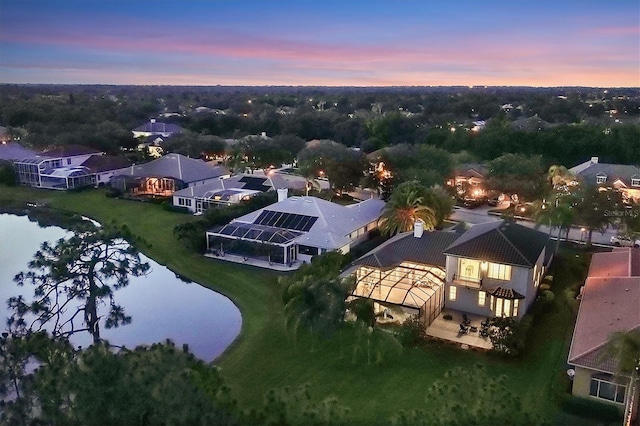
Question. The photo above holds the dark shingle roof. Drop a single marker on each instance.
(613, 172)
(14, 151)
(500, 242)
(426, 250)
(103, 163)
(505, 293)
(158, 127)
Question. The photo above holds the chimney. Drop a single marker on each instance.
(264, 135)
(282, 194)
(594, 160)
(418, 228)
(153, 120)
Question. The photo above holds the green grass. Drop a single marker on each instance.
(266, 355)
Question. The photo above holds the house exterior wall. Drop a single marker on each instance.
(581, 382)
(467, 295)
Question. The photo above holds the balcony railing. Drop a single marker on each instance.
(471, 282)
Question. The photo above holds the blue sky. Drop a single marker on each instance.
(336, 43)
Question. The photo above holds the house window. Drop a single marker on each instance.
(453, 293)
(536, 276)
(603, 387)
(601, 179)
(504, 307)
(312, 251)
(635, 182)
(469, 269)
(68, 161)
(482, 298)
(498, 271)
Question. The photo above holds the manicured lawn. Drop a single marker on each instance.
(267, 355)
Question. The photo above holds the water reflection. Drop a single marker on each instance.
(162, 305)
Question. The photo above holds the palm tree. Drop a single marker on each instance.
(406, 205)
(558, 215)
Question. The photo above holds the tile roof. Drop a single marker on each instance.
(609, 303)
(426, 250)
(176, 166)
(233, 182)
(505, 293)
(501, 242)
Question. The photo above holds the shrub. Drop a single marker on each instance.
(590, 409)
(412, 332)
(168, 206)
(544, 287)
(7, 173)
(508, 335)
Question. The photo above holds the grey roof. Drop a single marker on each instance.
(613, 172)
(69, 151)
(176, 166)
(470, 170)
(158, 127)
(234, 182)
(505, 293)
(334, 224)
(426, 250)
(12, 151)
(500, 242)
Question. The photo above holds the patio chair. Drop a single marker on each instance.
(465, 319)
(463, 329)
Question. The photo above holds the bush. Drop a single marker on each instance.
(7, 173)
(412, 332)
(509, 336)
(112, 192)
(590, 409)
(544, 287)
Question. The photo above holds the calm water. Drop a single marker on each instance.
(161, 305)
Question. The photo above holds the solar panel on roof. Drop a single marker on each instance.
(254, 183)
(296, 222)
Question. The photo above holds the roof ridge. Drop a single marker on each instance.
(513, 245)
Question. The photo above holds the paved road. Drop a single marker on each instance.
(480, 215)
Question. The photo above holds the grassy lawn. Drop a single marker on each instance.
(266, 355)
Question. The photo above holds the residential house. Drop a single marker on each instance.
(623, 177)
(468, 179)
(104, 167)
(60, 168)
(156, 128)
(406, 274)
(226, 191)
(291, 231)
(166, 175)
(12, 151)
(494, 269)
(609, 302)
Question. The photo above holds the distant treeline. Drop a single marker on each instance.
(564, 125)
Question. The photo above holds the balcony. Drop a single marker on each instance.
(470, 282)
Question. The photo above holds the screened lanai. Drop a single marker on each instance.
(408, 284)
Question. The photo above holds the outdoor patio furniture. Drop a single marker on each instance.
(474, 329)
(463, 329)
(465, 319)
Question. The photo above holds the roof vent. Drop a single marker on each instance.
(594, 160)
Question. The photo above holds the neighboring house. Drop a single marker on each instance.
(293, 230)
(494, 269)
(226, 191)
(104, 167)
(166, 175)
(407, 271)
(5, 135)
(12, 151)
(609, 302)
(468, 180)
(623, 177)
(156, 128)
(60, 168)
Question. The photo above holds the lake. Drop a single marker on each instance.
(161, 305)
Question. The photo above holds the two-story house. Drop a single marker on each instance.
(624, 177)
(494, 269)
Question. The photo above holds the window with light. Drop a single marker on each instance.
(498, 271)
(453, 293)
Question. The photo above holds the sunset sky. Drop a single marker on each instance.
(328, 43)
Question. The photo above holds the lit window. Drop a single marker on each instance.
(482, 298)
(469, 269)
(453, 293)
(601, 179)
(499, 307)
(498, 271)
(603, 387)
(515, 308)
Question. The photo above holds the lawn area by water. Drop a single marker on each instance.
(266, 355)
